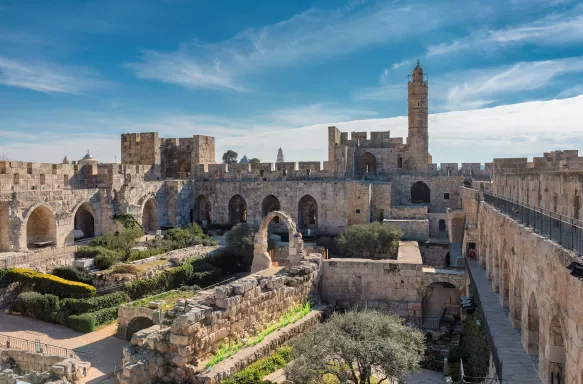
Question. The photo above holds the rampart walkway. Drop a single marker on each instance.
(517, 366)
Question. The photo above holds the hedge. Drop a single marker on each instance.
(91, 252)
(70, 311)
(261, 368)
(194, 272)
(4, 278)
(88, 322)
(73, 274)
(45, 283)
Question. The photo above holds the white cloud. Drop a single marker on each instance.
(47, 77)
(518, 130)
(307, 36)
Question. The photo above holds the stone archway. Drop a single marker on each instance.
(184, 169)
(150, 216)
(532, 330)
(5, 244)
(556, 355)
(84, 221)
(420, 193)
(516, 301)
(367, 164)
(307, 213)
(41, 227)
(261, 259)
(137, 324)
(237, 210)
(202, 209)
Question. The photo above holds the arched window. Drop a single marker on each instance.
(150, 216)
(368, 164)
(307, 212)
(237, 210)
(420, 193)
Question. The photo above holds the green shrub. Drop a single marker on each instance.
(45, 283)
(38, 306)
(123, 242)
(331, 244)
(240, 242)
(73, 274)
(194, 272)
(79, 306)
(94, 251)
(4, 278)
(88, 322)
(371, 240)
(127, 220)
(124, 268)
(106, 261)
(227, 261)
(177, 238)
(140, 255)
(261, 368)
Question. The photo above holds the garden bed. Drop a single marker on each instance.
(266, 347)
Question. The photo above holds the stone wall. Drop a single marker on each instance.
(42, 261)
(412, 229)
(438, 185)
(530, 273)
(38, 369)
(230, 313)
(435, 255)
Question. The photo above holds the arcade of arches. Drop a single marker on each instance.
(150, 216)
(41, 227)
(85, 221)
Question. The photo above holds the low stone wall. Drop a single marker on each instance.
(433, 254)
(41, 260)
(409, 212)
(38, 369)
(231, 313)
(413, 229)
(280, 252)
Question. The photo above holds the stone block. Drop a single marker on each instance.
(179, 339)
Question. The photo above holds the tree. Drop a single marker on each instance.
(240, 242)
(254, 161)
(230, 157)
(355, 345)
(372, 240)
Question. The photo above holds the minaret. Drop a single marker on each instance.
(418, 138)
(279, 156)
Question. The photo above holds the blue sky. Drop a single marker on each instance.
(504, 77)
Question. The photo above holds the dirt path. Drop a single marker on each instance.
(101, 348)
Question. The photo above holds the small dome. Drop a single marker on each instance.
(87, 159)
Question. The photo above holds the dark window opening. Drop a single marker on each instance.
(358, 211)
(446, 196)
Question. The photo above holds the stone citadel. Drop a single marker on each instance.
(447, 212)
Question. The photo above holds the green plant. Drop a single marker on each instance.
(240, 242)
(261, 368)
(45, 283)
(354, 345)
(88, 322)
(79, 306)
(122, 242)
(177, 238)
(226, 350)
(127, 220)
(140, 255)
(331, 244)
(124, 268)
(370, 240)
(473, 349)
(91, 252)
(73, 274)
(106, 261)
(38, 306)
(3, 278)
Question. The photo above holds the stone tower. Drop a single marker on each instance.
(279, 156)
(418, 138)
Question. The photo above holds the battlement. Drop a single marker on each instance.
(550, 161)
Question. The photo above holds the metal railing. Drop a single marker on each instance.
(35, 346)
(487, 331)
(561, 229)
(464, 379)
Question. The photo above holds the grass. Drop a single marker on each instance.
(227, 350)
(170, 298)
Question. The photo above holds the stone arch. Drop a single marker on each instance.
(516, 301)
(202, 209)
(41, 226)
(438, 295)
(556, 354)
(84, 221)
(367, 164)
(237, 210)
(184, 169)
(261, 258)
(420, 193)
(307, 213)
(5, 244)
(504, 282)
(150, 215)
(137, 324)
(532, 331)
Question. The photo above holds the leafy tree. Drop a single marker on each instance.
(230, 157)
(370, 240)
(254, 161)
(355, 345)
(121, 241)
(240, 242)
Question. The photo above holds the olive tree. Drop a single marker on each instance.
(372, 240)
(230, 157)
(354, 347)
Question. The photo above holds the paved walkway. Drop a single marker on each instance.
(101, 348)
(516, 364)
